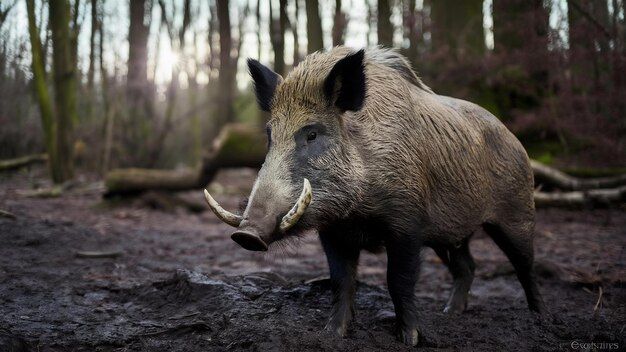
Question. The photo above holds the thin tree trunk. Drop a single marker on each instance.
(259, 30)
(296, 37)
(385, 29)
(314, 27)
(277, 35)
(412, 32)
(92, 44)
(225, 90)
(109, 111)
(339, 24)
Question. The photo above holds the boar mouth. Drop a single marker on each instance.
(248, 235)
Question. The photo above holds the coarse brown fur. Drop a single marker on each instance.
(449, 162)
(402, 168)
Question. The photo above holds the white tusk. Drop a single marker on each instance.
(224, 215)
(298, 209)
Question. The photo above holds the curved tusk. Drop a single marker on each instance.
(224, 215)
(298, 209)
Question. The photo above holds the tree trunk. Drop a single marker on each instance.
(314, 27)
(259, 42)
(136, 129)
(458, 27)
(277, 35)
(339, 24)
(92, 44)
(137, 79)
(296, 39)
(64, 69)
(385, 29)
(413, 32)
(41, 91)
(225, 91)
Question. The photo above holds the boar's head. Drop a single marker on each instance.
(312, 174)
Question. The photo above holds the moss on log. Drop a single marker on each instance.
(17, 163)
(237, 145)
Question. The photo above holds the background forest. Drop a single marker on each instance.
(100, 84)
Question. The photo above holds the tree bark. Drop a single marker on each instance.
(314, 27)
(296, 39)
(41, 91)
(92, 44)
(227, 71)
(385, 29)
(339, 24)
(64, 69)
(277, 35)
(413, 32)
(137, 79)
(137, 128)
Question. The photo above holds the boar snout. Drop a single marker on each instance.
(256, 232)
(249, 239)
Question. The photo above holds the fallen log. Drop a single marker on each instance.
(550, 176)
(237, 145)
(581, 199)
(17, 163)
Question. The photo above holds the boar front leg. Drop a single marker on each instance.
(342, 263)
(403, 259)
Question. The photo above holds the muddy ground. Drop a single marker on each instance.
(174, 281)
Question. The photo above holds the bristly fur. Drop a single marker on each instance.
(390, 163)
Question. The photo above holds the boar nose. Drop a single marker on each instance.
(249, 239)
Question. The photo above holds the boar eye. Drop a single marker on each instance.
(311, 136)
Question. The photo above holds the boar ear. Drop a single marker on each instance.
(345, 85)
(265, 81)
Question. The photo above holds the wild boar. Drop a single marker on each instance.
(365, 153)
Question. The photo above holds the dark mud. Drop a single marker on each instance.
(178, 283)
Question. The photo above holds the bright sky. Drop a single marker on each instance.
(117, 22)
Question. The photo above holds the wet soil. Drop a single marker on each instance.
(174, 281)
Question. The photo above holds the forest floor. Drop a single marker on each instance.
(175, 281)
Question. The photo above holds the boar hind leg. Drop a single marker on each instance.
(342, 264)
(518, 247)
(403, 259)
(461, 265)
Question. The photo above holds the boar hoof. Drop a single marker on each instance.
(455, 308)
(336, 329)
(408, 336)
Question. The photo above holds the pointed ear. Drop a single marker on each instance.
(265, 81)
(345, 85)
